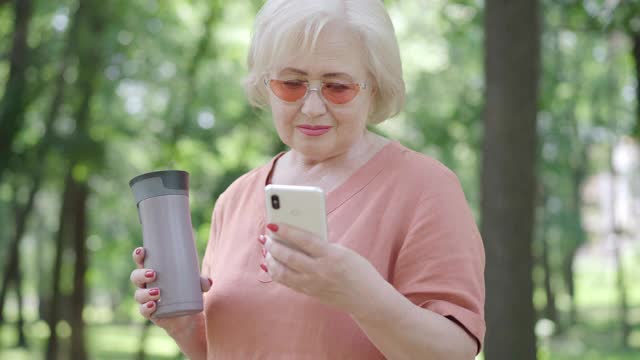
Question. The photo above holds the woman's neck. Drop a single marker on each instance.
(361, 149)
(294, 168)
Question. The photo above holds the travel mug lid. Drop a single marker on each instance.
(159, 183)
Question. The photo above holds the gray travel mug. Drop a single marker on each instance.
(162, 198)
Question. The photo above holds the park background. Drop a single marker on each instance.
(95, 92)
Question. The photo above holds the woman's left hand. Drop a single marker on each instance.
(331, 273)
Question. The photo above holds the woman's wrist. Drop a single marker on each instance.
(189, 335)
(371, 298)
(185, 327)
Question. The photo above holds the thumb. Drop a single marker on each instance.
(205, 283)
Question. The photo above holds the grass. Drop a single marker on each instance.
(104, 342)
(596, 338)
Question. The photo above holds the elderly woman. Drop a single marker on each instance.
(402, 274)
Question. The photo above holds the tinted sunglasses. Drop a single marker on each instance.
(292, 91)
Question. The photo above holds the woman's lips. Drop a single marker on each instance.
(311, 130)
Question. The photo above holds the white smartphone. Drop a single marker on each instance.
(299, 206)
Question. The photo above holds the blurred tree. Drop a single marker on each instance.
(204, 50)
(33, 168)
(542, 256)
(609, 17)
(562, 160)
(512, 54)
(84, 159)
(12, 104)
(13, 275)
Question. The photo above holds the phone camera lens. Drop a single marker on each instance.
(275, 202)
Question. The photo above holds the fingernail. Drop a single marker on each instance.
(264, 268)
(210, 282)
(154, 291)
(149, 274)
(150, 304)
(138, 250)
(264, 252)
(262, 239)
(272, 227)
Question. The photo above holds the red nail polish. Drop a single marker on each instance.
(264, 268)
(138, 250)
(264, 252)
(154, 291)
(272, 227)
(262, 239)
(149, 274)
(210, 282)
(150, 304)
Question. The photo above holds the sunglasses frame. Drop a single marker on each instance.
(361, 86)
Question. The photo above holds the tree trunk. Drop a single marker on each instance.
(8, 276)
(541, 257)
(568, 276)
(54, 311)
(36, 172)
(143, 340)
(17, 283)
(579, 236)
(12, 274)
(550, 308)
(80, 190)
(52, 115)
(512, 59)
(89, 65)
(36, 168)
(12, 102)
(81, 193)
(11, 271)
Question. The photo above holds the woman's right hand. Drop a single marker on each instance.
(147, 297)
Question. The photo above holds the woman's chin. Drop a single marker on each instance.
(312, 143)
(314, 151)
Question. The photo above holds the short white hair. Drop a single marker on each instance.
(284, 26)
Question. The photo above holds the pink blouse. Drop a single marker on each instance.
(403, 211)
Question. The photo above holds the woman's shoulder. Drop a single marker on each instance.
(421, 168)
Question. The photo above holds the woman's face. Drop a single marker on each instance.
(316, 127)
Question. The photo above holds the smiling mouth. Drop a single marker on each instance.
(311, 130)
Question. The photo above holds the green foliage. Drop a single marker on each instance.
(168, 94)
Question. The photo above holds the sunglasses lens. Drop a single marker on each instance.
(340, 93)
(289, 91)
(293, 90)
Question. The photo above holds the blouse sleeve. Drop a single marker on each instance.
(440, 265)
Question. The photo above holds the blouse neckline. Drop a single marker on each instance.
(353, 184)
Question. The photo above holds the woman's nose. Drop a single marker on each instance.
(313, 105)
